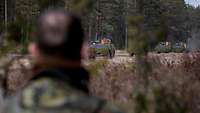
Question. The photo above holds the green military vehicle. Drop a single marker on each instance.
(166, 47)
(179, 47)
(98, 50)
(163, 47)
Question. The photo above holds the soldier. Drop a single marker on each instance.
(59, 83)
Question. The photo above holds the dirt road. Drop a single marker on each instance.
(122, 56)
(164, 58)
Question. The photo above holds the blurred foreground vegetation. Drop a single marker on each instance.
(171, 86)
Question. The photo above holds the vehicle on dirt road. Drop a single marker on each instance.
(166, 47)
(106, 50)
(163, 47)
(179, 47)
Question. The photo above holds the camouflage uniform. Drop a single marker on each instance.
(53, 95)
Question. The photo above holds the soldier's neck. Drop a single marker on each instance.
(59, 62)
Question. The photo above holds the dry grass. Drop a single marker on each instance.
(171, 88)
(167, 87)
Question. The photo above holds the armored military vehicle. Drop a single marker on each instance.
(102, 49)
(163, 47)
(179, 47)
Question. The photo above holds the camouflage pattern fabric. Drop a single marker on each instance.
(50, 96)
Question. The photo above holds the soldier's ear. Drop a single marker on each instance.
(85, 50)
(33, 50)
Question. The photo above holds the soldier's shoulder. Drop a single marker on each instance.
(51, 95)
(49, 83)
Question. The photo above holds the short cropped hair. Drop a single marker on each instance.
(60, 33)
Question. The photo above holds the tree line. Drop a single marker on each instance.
(171, 20)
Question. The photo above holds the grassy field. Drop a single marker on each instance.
(169, 85)
(159, 83)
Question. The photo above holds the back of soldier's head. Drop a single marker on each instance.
(60, 34)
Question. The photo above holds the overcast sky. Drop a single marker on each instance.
(193, 2)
